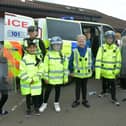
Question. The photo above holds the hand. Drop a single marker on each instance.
(46, 81)
(72, 74)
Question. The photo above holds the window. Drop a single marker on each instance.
(65, 29)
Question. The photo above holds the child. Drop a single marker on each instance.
(56, 72)
(30, 75)
(80, 67)
(108, 65)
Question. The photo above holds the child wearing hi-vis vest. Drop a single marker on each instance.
(80, 66)
(55, 72)
(30, 78)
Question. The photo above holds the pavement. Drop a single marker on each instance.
(101, 113)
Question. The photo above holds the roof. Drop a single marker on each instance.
(38, 9)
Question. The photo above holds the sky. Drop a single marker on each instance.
(115, 8)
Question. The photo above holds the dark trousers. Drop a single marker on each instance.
(41, 97)
(123, 83)
(81, 84)
(4, 97)
(111, 86)
(32, 100)
(48, 89)
(105, 86)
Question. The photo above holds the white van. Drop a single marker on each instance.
(69, 29)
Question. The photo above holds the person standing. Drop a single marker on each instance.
(80, 66)
(118, 39)
(30, 78)
(4, 86)
(123, 65)
(88, 41)
(108, 64)
(55, 72)
(33, 33)
(40, 50)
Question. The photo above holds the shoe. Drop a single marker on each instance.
(57, 106)
(86, 104)
(43, 107)
(116, 102)
(28, 113)
(3, 112)
(37, 113)
(75, 104)
(124, 99)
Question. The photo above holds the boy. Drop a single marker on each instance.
(108, 65)
(30, 76)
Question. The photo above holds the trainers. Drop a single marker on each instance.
(116, 102)
(43, 107)
(28, 113)
(3, 112)
(75, 104)
(86, 104)
(37, 113)
(57, 106)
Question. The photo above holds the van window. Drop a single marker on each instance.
(67, 30)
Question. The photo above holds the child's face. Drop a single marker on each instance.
(56, 47)
(109, 40)
(31, 49)
(81, 41)
(33, 34)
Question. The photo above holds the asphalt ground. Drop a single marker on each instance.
(101, 113)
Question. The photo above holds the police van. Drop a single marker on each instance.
(69, 29)
(13, 29)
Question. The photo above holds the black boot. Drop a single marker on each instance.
(75, 104)
(85, 103)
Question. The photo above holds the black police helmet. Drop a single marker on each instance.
(32, 28)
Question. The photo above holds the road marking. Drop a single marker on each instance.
(14, 108)
(17, 105)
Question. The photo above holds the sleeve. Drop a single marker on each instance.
(42, 47)
(71, 59)
(41, 70)
(118, 62)
(98, 63)
(46, 67)
(23, 75)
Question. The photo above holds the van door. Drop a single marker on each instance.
(93, 33)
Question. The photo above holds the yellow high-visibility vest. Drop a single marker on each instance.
(55, 68)
(29, 72)
(82, 65)
(108, 62)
